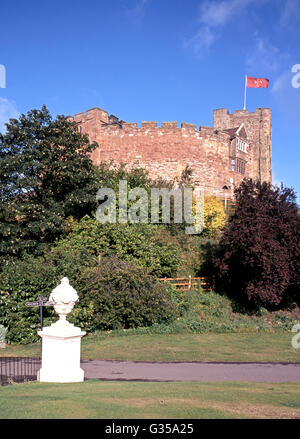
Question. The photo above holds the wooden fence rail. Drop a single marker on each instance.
(188, 283)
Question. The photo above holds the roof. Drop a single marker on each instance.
(237, 131)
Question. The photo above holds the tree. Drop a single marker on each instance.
(46, 175)
(258, 258)
(214, 215)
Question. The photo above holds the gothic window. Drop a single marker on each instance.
(233, 164)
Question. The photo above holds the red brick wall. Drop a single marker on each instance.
(165, 150)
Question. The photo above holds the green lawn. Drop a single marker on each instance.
(248, 347)
(115, 400)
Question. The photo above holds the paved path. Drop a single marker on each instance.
(191, 371)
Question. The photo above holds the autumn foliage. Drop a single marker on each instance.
(214, 214)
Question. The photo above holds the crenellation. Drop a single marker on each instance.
(129, 125)
(169, 124)
(240, 112)
(189, 126)
(79, 117)
(165, 150)
(149, 125)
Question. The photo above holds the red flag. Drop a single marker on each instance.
(257, 82)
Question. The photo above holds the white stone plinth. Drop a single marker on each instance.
(61, 354)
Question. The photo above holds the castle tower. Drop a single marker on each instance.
(259, 131)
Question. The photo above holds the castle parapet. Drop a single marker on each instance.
(169, 124)
(79, 117)
(189, 126)
(129, 125)
(149, 124)
(94, 113)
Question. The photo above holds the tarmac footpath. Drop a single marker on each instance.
(190, 371)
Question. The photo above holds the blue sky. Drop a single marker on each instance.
(156, 60)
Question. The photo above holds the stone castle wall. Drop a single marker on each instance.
(165, 150)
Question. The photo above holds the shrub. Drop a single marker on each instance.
(258, 259)
(119, 295)
(134, 243)
(24, 280)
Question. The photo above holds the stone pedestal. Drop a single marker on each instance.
(61, 341)
(61, 354)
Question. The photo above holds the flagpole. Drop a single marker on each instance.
(245, 96)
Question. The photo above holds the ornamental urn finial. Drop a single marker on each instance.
(64, 297)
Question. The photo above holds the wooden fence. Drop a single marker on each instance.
(188, 283)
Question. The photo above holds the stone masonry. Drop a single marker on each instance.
(239, 145)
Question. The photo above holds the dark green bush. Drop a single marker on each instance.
(24, 280)
(119, 295)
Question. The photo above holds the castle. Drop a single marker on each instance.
(238, 145)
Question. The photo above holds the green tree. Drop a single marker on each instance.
(46, 175)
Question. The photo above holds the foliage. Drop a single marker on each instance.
(109, 174)
(136, 243)
(118, 294)
(210, 312)
(46, 175)
(24, 280)
(214, 215)
(145, 299)
(258, 259)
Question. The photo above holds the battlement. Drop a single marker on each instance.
(94, 113)
(223, 111)
(165, 148)
(106, 123)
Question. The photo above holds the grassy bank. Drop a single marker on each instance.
(114, 400)
(251, 347)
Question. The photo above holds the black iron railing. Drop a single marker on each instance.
(18, 369)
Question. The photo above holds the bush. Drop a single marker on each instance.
(257, 261)
(24, 280)
(120, 295)
(134, 243)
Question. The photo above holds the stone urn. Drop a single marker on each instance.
(62, 340)
(63, 297)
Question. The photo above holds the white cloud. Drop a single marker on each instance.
(201, 41)
(282, 82)
(8, 110)
(265, 57)
(213, 15)
(290, 12)
(218, 13)
(137, 13)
